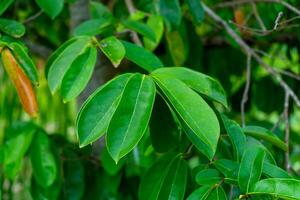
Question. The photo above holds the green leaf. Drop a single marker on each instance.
(25, 62)
(195, 113)
(58, 51)
(73, 176)
(208, 177)
(51, 7)
(140, 28)
(21, 138)
(208, 193)
(177, 47)
(63, 59)
(145, 58)
(113, 49)
(44, 166)
(236, 136)
(109, 164)
(165, 179)
(95, 114)
(229, 169)
(164, 132)
(273, 171)
(80, 72)
(250, 168)
(99, 11)
(282, 188)
(4, 4)
(131, 118)
(197, 81)
(156, 23)
(92, 27)
(196, 10)
(171, 11)
(265, 134)
(12, 27)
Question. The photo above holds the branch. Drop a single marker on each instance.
(258, 18)
(239, 2)
(246, 90)
(287, 131)
(131, 9)
(250, 51)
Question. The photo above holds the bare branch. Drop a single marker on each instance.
(134, 35)
(246, 90)
(250, 51)
(239, 2)
(287, 131)
(277, 20)
(258, 18)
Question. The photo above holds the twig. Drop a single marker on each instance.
(33, 17)
(131, 10)
(250, 51)
(287, 131)
(239, 2)
(258, 18)
(246, 90)
(277, 20)
(281, 117)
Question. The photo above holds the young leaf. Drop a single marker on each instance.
(236, 136)
(196, 10)
(250, 168)
(4, 4)
(44, 166)
(62, 61)
(80, 72)
(197, 81)
(21, 82)
(113, 49)
(51, 7)
(25, 62)
(171, 11)
(195, 113)
(165, 179)
(156, 23)
(12, 27)
(145, 58)
(264, 134)
(282, 188)
(95, 114)
(208, 177)
(131, 118)
(92, 27)
(140, 28)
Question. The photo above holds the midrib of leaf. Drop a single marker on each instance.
(117, 100)
(162, 179)
(174, 178)
(78, 77)
(205, 138)
(134, 110)
(60, 55)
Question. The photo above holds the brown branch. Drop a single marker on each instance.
(239, 2)
(250, 51)
(246, 90)
(287, 132)
(131, 9)
(258, 18)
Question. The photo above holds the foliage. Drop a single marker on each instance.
(166, 119)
